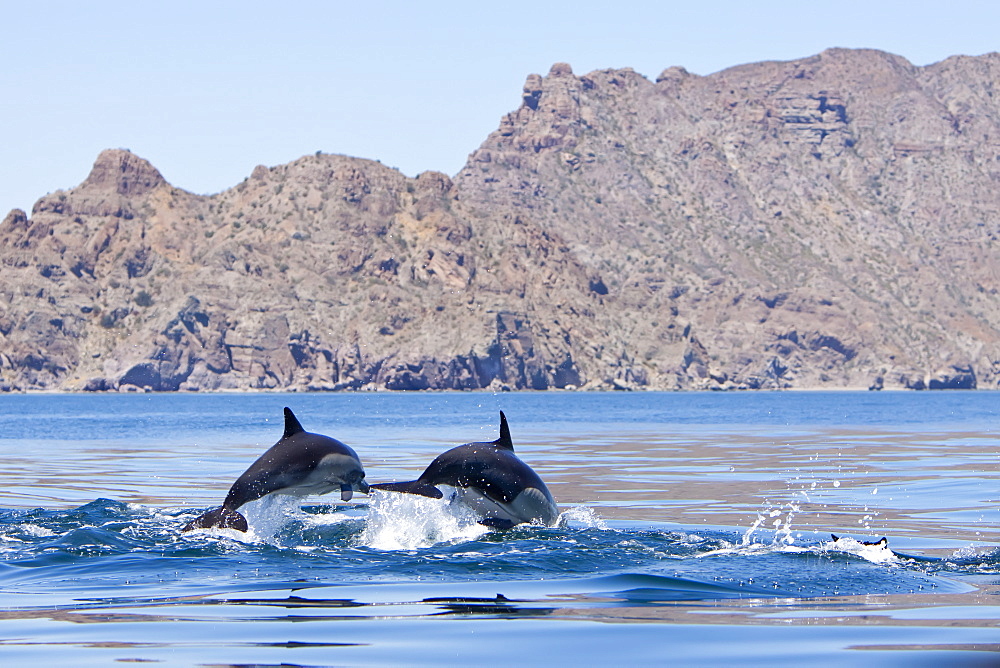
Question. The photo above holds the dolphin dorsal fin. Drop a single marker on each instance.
(292, 425)
(504, 440)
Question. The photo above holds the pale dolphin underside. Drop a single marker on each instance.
(489, 478)
(299, 464)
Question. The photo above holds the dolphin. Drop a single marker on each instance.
(299, 464)
(882, 542)
(490, 479)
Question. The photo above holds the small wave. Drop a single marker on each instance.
(749, 549)
(37, 531)
(973, 560)
(637, 589)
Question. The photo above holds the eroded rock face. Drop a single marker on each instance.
(827, 222)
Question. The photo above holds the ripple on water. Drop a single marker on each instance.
(408, 538)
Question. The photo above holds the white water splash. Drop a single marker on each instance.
(876, 554)
(783, 539)
(409, 522)
(330, 518)
(265, 518)
(37, 531)
(248, 538)
(582, 516)
(780, 520)
(976, 551)
(747, 538)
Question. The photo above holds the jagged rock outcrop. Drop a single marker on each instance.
(826, 222)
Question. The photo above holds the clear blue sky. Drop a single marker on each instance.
(207, 90)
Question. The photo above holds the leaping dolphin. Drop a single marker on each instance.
(490, 479)
(299, 464)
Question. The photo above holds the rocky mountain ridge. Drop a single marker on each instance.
(829, 222)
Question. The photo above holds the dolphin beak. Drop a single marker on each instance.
(363, 487)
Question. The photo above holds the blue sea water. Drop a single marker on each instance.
(696, 530)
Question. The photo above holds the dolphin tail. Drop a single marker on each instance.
(412, 487)
(221, 517)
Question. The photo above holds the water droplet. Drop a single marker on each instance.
(836, 483)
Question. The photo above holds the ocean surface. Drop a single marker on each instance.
(695, 530)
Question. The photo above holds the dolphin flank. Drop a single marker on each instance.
(299, 464)
(490, 479)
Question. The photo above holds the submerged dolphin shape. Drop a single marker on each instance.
(882, 542)
(299, 464)
(490, 479)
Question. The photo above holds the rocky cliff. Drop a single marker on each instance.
(828, 222)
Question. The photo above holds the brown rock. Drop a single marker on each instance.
(824, 222)
(119, 171)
